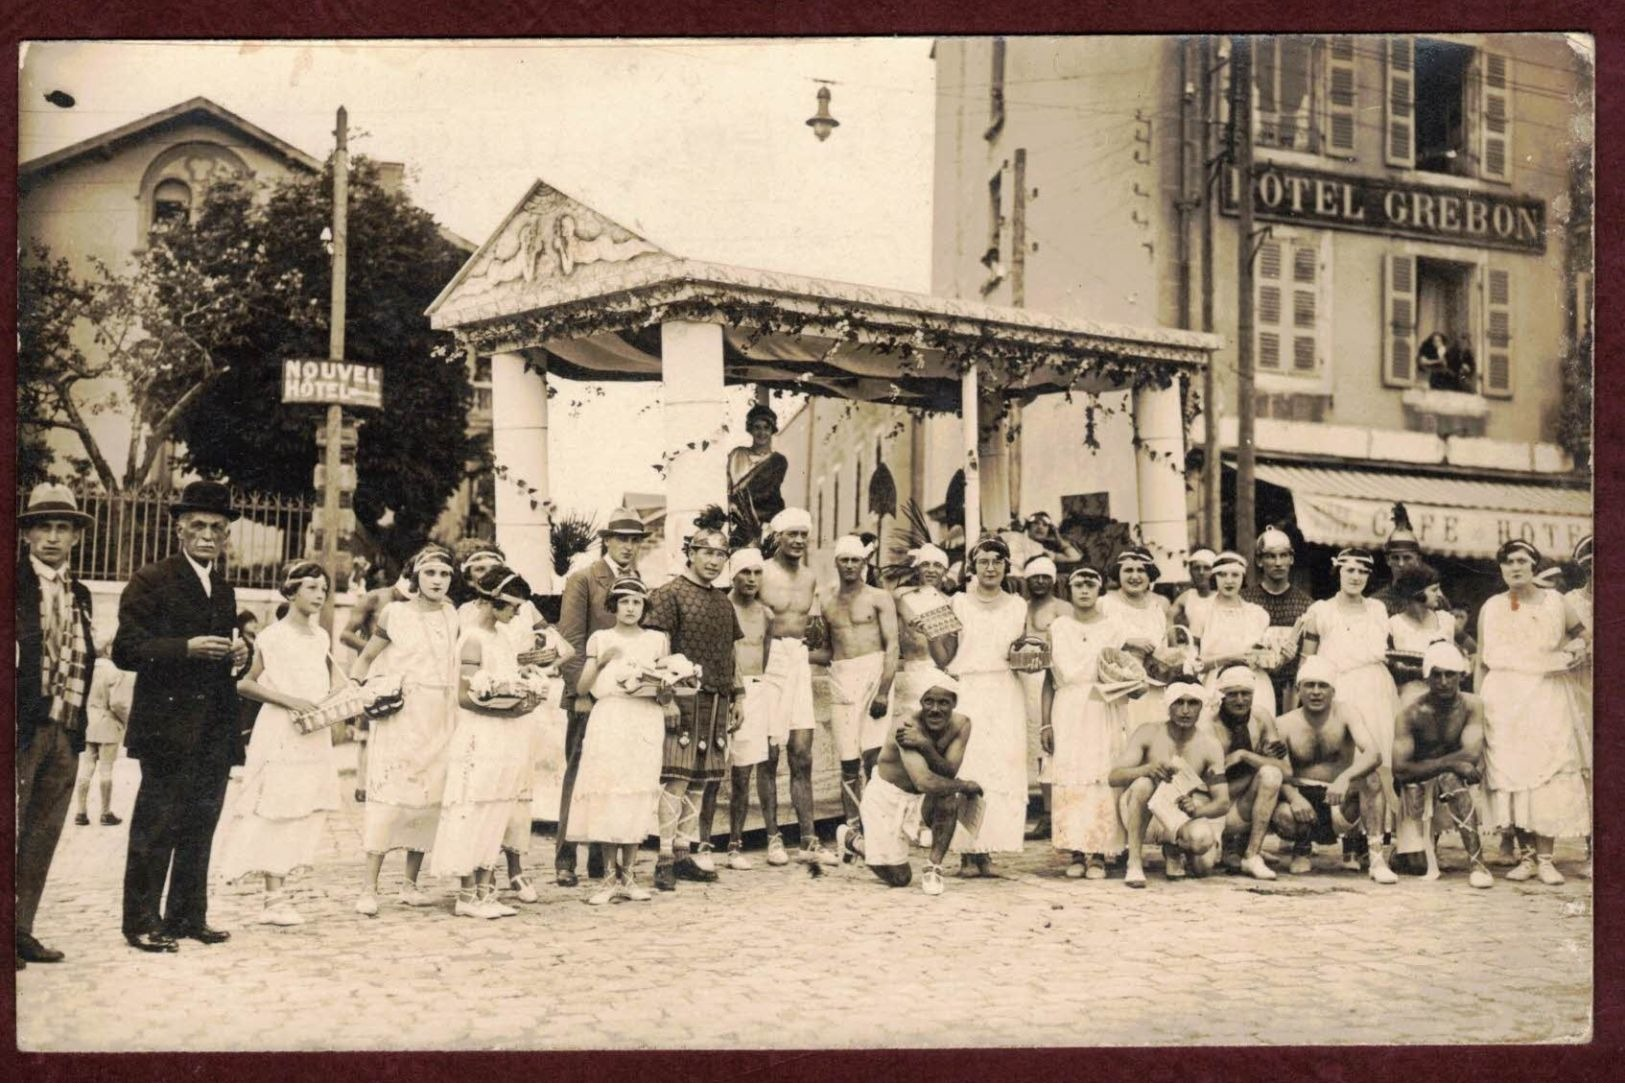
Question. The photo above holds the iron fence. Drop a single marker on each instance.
(134, 528)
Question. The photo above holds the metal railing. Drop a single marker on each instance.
(134, 528)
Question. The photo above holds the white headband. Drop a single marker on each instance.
(1175, 692)
(1041, 566)
(1203, 555)
(850, 547)
(938, 678)
(748, 558)
(929, 553)
(790, 519)
(1226, 560)
(1237, 677)
(1445, 656)
(1317, 668)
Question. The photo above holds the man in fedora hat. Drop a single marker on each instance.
(55, 655)
(177, 633)
(582, 612)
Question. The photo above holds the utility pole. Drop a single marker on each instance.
(1241, 123)
(1212, 465)
(1018, 299)
(331, 480)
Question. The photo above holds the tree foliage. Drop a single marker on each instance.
(411, 454)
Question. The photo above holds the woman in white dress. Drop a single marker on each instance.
(489, 752)
(1421, 622)
(991, 696)
(1579, 600)
(538, 645)
(1233, 631)
(1531, 640)
(1350, 632)
(1143, 615)
(618, 787)
(1083, 732)
(290, 779)
(406, 760)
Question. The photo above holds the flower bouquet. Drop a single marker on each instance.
(1119, 675)
(675, 675)
(495, 693)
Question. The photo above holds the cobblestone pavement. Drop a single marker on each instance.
(777, 958)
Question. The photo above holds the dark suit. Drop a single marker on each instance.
(582, 612)
(47, 755)
(183, 729)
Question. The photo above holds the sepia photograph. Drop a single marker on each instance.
(804, 543)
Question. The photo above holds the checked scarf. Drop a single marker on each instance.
(63, 662)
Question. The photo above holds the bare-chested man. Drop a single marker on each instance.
(1043, 606)
(919, 760)
(1160, 751)
(862, 656)
(1255, 766)
(915, 665)
(788, 591)
(1438, 755)
(1334, 787)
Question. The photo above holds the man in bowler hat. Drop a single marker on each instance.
(582, 612)
(55, 655)
(177, 633)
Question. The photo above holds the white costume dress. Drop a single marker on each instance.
(1407, 637)
(990, 695)
(1354, 641)
(487, 759)
(1149, 622)
(1579, 679)
(1533, 757)
(1089, 733)
(1226, 630)
(617, 789)
(406, 752)
(290, 780)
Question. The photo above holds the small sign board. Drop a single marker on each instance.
(324, 381)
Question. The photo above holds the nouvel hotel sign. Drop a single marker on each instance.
(324, 381)
(1288, 194)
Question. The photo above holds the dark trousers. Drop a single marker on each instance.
(171, 832)
(564, 852)
(45, 774)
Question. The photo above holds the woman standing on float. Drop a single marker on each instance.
(991, 695)
(406, 767)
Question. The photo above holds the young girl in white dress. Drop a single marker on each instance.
(617, 789)
(1232, 631)
(406, 761)
(1083, 732)
(290, 780)
(489, 753)
(1421, 622)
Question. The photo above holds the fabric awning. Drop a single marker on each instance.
(1467, 518)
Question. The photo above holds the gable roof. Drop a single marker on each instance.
(192, 110)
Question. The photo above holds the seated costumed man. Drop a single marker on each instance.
(1334, 788)
(1438, 759)
(1255, 766)
(920, 759)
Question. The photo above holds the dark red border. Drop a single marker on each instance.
(389, 18)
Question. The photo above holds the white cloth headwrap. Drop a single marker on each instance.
(791, 519)
(1040, 565)
(928, 552)
(1443, 655)
(1203, 555)
(1176, 691)
(936, 677)
(1317, 668)
(1237, 677)
(748, 558)
(850, 547)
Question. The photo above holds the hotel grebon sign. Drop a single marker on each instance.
(1287, 194)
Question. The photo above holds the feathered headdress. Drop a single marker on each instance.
(710, 529)
(1402, 537)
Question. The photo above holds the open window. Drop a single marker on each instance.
(171, 204)
(1447, 325)
(1442, 70)
(1286, 78)
(1449, 108)
(1445, 357)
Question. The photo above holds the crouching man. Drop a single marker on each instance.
(1334, 788)
(920, 758)
(1438, 751)
(1190, 760)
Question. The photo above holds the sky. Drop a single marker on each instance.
(698, 144)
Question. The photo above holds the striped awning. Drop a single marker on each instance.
(1467, 518)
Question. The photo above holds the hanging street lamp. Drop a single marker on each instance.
(821, 122)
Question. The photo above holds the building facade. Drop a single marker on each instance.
(1421, 261)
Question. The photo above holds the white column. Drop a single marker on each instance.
(519, 448)
(1160, 475)
(970, 440)
(693, 413)
(994, 454)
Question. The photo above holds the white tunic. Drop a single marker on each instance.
(990, 695)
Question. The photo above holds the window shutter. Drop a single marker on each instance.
(1268, 313)
(1265, 106)
(1305, 308)
(1497, 362)
(1400, 136)
(1341, 105)
(1495, 126)
(1399, 320)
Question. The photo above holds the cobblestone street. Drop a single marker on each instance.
(775, 958)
